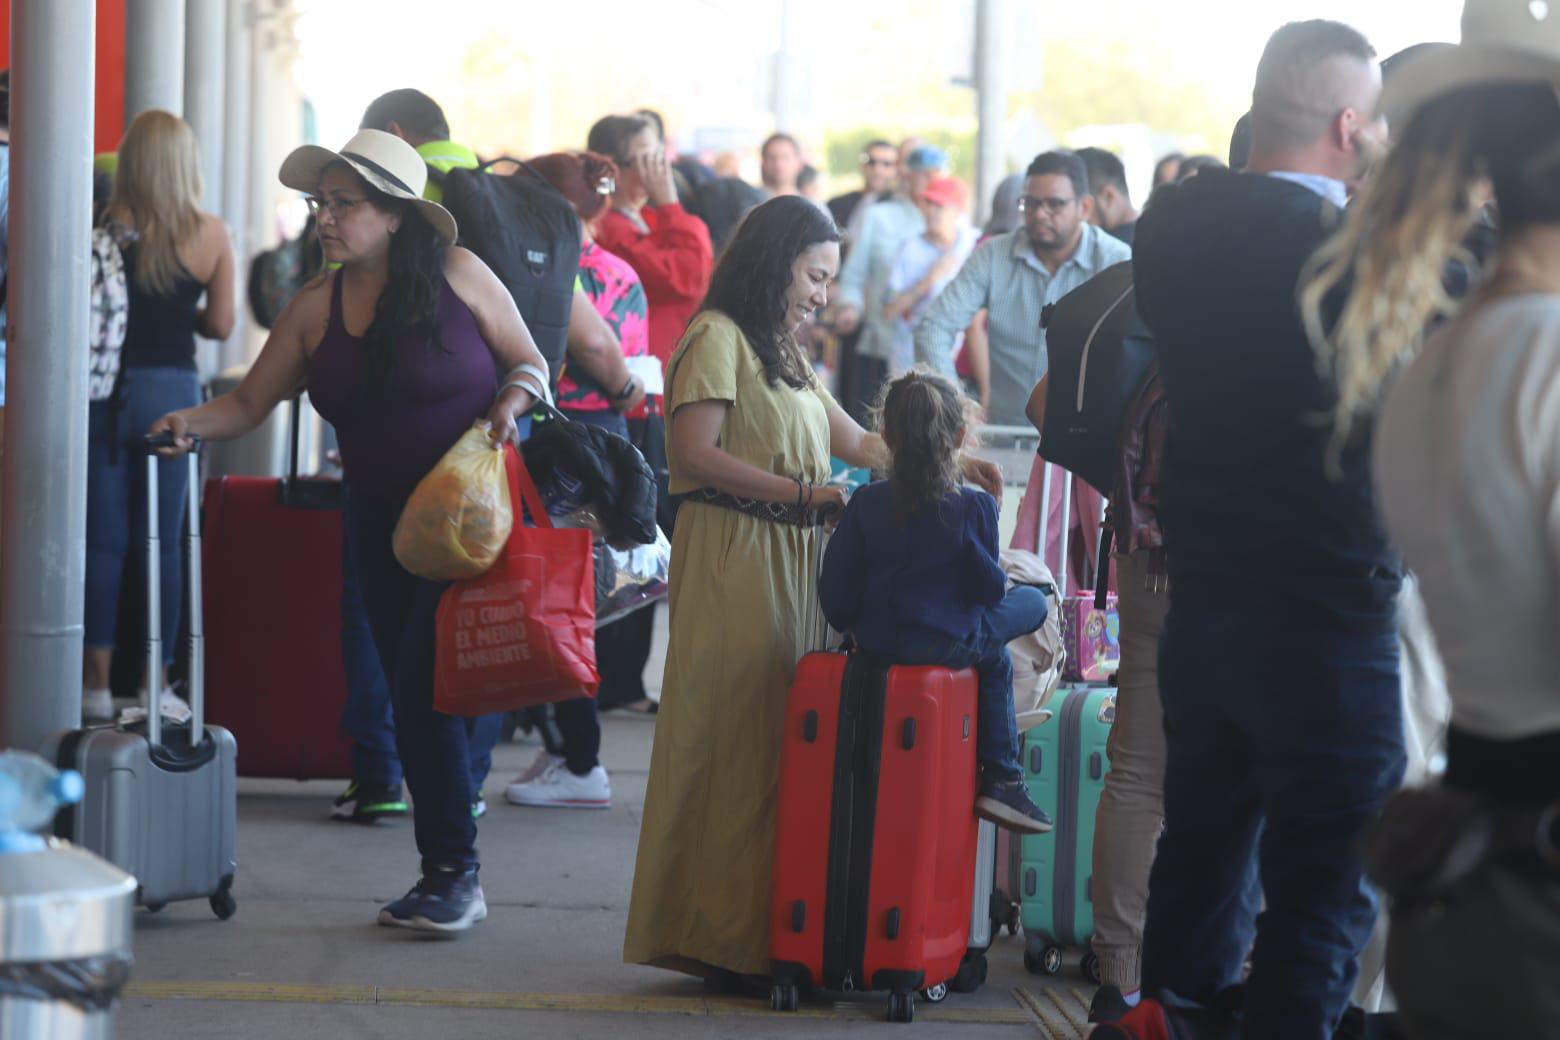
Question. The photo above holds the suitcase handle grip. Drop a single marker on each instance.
(158, 441)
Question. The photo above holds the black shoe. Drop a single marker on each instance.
(1006, 803)
(365, 803)
(1108, 1004)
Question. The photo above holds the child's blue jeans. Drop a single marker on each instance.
(1022, 610)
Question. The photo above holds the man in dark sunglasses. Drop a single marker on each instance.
(879, 161)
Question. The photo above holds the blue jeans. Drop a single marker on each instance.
(367, 719)
(1283, 739)
(1021, 611)
(435, 749)
(116, 500)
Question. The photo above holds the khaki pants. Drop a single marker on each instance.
(1131, 810)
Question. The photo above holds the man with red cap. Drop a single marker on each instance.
(926, 263)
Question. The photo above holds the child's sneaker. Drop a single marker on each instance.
(97, 706)
(540, 764)
(446, 901)
(1006, 803)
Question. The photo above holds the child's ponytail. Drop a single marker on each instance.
(923, 422)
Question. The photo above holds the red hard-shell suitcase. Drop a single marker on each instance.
(876, 843)
(274, 671)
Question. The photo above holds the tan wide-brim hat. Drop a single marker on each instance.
(1503, 42)
(385, 161)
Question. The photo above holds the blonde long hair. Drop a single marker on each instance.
(158, 183)
(1391, 257)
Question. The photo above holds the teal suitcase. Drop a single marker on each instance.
(1065, 762)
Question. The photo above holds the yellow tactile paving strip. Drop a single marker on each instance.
(1058, 1015)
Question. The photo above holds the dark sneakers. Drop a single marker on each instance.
(365, 803)
(445, 901)
(1006, 803)
(1108, 1005)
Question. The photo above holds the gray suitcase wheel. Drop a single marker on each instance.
(936, 994)
(155, 908)
(1090, 967)
(223, 904)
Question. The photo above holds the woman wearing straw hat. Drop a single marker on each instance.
(402, 349)
(1467, 471)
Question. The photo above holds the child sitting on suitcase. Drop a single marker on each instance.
(912, 573)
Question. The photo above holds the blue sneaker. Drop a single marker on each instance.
(446, 901)
(1006, 803)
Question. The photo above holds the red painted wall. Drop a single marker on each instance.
(109, 103)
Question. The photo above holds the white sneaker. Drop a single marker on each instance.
(174, 707)
(543, 761)
(97, 705)
(557, 788)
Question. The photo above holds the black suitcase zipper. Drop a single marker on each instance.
(1068, 764)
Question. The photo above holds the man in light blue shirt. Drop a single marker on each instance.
(864, 278)
(1016, 276)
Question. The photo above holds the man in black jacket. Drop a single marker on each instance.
(1279, 661)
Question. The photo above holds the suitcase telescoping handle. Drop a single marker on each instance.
(193, 610)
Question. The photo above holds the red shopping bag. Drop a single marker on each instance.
(524, 633)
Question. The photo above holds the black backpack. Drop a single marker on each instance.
(1099, 354)
(529, 235)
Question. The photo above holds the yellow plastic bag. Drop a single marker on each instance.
(459, 517)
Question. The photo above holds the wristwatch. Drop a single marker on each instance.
(627, 391)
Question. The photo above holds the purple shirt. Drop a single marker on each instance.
(391, 439)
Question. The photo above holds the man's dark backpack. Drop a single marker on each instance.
(1100, 352)
(529, 235)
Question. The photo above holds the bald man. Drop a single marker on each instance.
(1279, 659)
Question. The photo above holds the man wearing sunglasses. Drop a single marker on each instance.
(1016, 276)
(879, 161)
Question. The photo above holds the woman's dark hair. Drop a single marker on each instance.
(750, 281)
(923, 418)
(410, 299)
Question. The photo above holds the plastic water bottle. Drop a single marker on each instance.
(31, 792)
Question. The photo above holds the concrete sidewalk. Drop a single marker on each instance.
(303, 957)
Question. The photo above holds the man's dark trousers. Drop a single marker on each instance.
(1284, 735)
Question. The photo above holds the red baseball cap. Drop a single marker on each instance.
(947, 191)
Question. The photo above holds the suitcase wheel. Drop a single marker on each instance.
(1047, 961)
(901, 1007)
(223, 904)
(936, 994)
(972, 972)
(1090, 968)
(784, 998)
(155, 908)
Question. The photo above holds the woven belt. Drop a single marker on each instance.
(772, 512)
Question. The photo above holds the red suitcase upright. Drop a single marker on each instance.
(274, 671)
(874, 868)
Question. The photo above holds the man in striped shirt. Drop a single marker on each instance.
(1016, 276)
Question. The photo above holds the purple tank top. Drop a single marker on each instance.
(391, 439)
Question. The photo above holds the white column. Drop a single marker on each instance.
(205, 48)
(154, 56)
(43, 534)
(990, 100)
(238, 44)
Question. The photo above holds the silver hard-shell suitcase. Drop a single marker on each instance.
(158, 804)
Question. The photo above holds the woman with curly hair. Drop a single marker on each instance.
(402, 348)
(750, 431)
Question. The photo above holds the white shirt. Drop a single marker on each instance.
(1467, 470)
(1334, 191)
(916, 257)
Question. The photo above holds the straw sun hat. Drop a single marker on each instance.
(385, 161)
(1503, 42)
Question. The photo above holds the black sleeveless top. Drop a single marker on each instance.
(160, 329)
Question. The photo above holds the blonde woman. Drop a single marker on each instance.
(180, 272)
(1467, 472)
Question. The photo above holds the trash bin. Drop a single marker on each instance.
(65, 915)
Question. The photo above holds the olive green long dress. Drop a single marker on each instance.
(742, 590)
